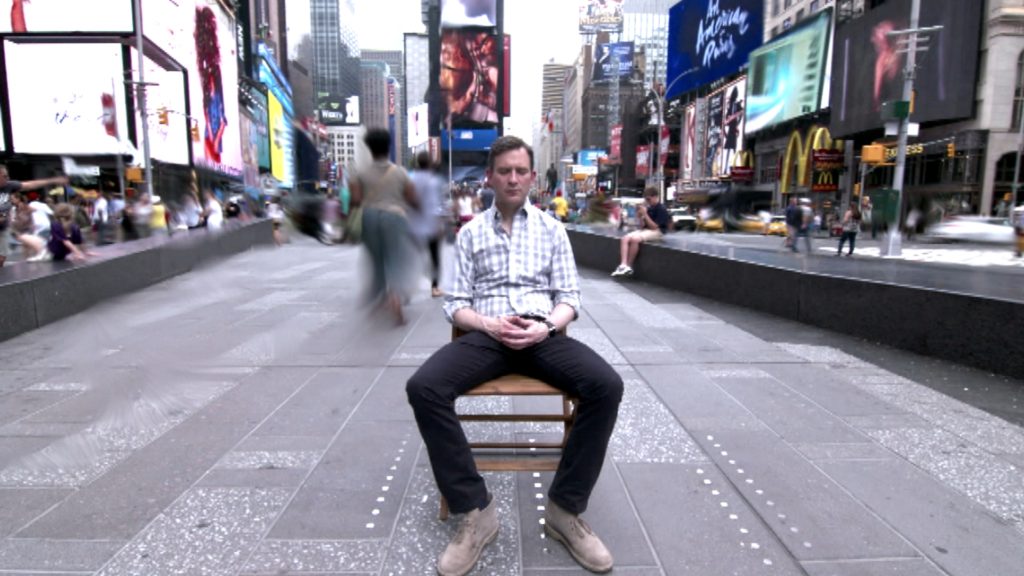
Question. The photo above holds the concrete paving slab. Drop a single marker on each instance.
(954, 533)
(807, 511)
(835, 394)
(19, 506)
(322, 405)
(387, 399)
(272, 478)
(318, 556)
(694, 398)
(698, 524)
(898, 567)
(842, 451)
(46, 555)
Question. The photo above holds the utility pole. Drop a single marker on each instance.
(141, 97)
(911, 35)
(1020, 147)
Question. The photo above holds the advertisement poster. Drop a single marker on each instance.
(600, 16)
(469, 76)
(64, 16)
(709, 39)
(786, 76)
(62, 111)
(417, 125)
(166, 119)
(213, 78)
(687, 139)
(615, 150)
(725, 128)
(282, 144)
(643, 160)
(613, 61)
(464, 13)
(867, 66)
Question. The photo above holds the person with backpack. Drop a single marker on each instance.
(851, 225)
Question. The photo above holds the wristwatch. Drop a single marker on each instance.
(552, 329)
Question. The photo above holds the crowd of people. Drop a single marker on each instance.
(48, 219)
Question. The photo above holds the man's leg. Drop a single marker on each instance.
(569, 365)
(457, 367)
(633, 250)
(624, 250)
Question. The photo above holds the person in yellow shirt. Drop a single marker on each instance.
(561, 207)
(158, 217)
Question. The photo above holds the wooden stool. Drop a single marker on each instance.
(509, 459)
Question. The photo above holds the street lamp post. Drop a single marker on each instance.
(661, 123)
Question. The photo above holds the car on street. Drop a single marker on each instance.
(682, 219)
(777, 226)
(972, 229)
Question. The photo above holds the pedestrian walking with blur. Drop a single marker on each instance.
(516, 289)
(8, 188)
(387, 197)
(806, 223)
(793, 220)
(427, 225)
(654, 220)
(851, 225)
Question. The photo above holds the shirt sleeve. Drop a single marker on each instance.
(565, 283)
(461, 295)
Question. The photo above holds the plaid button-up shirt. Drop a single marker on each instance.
(526, 273)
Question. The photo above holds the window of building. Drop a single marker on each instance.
(1018, 92)
(775, 7)
(787, 4)
(814, 6)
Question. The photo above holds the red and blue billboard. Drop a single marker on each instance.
(710, 39)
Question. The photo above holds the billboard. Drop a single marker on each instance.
(469, 140)
(282, 142)
(213, 78)
(66, 16)
(709, 39)
(867, 70)
(463, 13)
(723, 136)
(336, 109)
(607, 56)
(254, 133)
(166, 119)
(77, 107)
(600, 16)
(418, 126)
(786, 77)
(469, 76)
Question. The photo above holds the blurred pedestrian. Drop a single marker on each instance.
(213, 212)
(851, 225)
(427, 224)
(654, 220)
(142, 214)
(1018, 226)
(276, 215)
(66, 237)
(806, 222)
(101, 217)
(329, 218)
(386, 195)
(9, 187)
(793, 219)
(512, 298)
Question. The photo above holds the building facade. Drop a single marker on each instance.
(336, 73)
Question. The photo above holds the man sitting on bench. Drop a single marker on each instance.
(654, 220)
(515, 287)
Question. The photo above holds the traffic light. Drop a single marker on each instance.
(194, 131)
(163, 114)
(950, 150)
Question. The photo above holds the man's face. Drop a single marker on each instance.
(511, 177)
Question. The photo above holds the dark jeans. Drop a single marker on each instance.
(433, 246)
(851, 236)
(475, 358)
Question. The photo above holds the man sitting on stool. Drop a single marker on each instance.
(515, 288)
(654, 220)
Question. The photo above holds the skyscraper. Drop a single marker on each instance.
(336, 72)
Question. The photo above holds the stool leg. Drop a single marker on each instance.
(442, 514)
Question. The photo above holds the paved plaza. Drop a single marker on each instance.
(248, 418)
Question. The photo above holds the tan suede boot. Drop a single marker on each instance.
(478, 529)
(578, 539)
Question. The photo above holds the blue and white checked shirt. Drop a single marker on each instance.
(527, 273)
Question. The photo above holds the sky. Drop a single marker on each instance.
(541, 30)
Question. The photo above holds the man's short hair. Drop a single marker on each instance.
(507, 144)
(423, 160)
(651, 191)
(378, 140)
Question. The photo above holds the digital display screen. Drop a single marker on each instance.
(166, 118)
(786, 76)
(76, 107)
(868, 63)
(213, 82)
(282, 143)
(66, 16)
(606, 58)
(600, 16)
(463, 13)
(470, 74)
(724, 133)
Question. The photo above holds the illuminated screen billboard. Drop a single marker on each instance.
(470, 72)
(709, 39)
(213, 81)
(607, 56)
(282, 143)
(786, 77)
(165, 107)
(723, 135)
(66, 16)
(463, 13)
(688, 141)
(76, 107)
(867, 67)
(418, 125)
(600, 16)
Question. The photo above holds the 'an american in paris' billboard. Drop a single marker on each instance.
(709, 39)
(786, 76)
(867, 67)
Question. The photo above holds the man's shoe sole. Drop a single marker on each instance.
(558, 536)
(490, 539)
